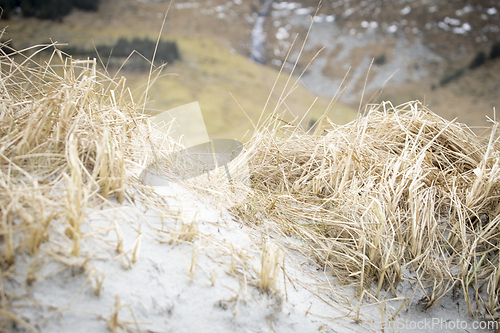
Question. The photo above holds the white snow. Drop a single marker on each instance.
(451, 21)
(492, 11)
(466, 9)
(303, 11)
(276, 62)
(458, 31)
(444, 26)
(392, 29)
(348, 12)
(463, 29)
(319, 18)
(285, 5)
(330, 18)
(186, 5)
(282, 33)
(369, 25)
(405, 10)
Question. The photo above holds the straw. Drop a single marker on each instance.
(397, 194)
(71, 140)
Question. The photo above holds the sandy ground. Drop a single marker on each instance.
(206, 283)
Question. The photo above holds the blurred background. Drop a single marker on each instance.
(227, 54)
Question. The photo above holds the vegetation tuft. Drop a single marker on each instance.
(495, 51)
(71, 139)
(136, 50)
(451, 76)
(380, 60)
(478, 60)
(52, 9)
(397, 195)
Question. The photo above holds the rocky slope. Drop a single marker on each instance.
(414, 44)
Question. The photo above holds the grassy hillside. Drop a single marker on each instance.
(208, 73)
(207, 30)
(471, 98)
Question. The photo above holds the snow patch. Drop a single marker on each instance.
(276, 62)
(286, 5)
(451, 21)
(465, 10)
(369, 25)
(319, 18)
(304, 11)
(186, 5)
(492, 11)
(282, 33)
(348, 12)
(444, 26)
(405, 10)
(330, 18)
(392, 29)
(458, 31)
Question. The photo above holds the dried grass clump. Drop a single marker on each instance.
(399, 193)
(63, 138)
(70, 139)
(269, 270)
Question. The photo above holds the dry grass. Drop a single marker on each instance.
(72, 143)
(269, 270)
(71, 140)
(399, 193)
(58, 141)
